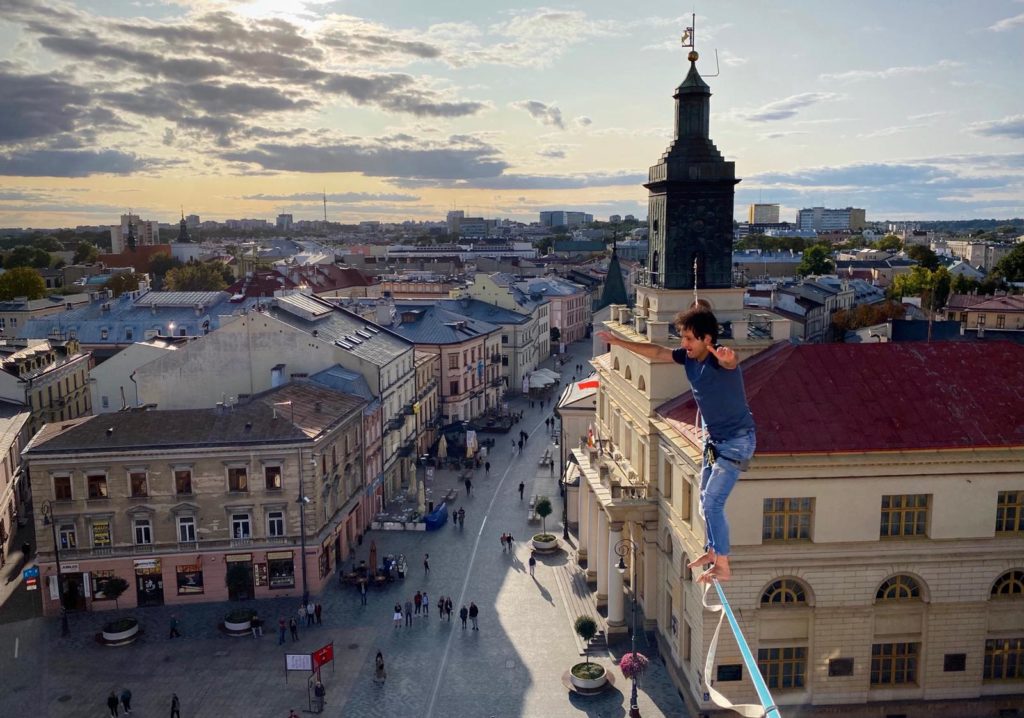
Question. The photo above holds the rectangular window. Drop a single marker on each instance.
(67, 537)
(894, 664)
(143, 531)
(241, 526)
(272, 477)
(62, 488)
(1000, 321)
(137, 483)
(275, 524)
(453, 361)
(904, 515)
(504, 338)
(183, 481)
(97, 486)
(787, 519)
(954, 662)
(129, 334)
(238, 478)
(104, 402)
(100, 533)
(186, 529)
(1004, 659)
(453, 388)
(783, 668)
(730, 672)
(1010, 512)
(666, 486)
(504, 359)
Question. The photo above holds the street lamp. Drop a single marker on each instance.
(622, 548)
(302, 500)
(50, 520)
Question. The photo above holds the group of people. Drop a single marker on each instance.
(506, 542)
(419, 605)
(312, 613)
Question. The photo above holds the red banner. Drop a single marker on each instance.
(323, 655)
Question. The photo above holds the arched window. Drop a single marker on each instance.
(629, 374)
(641, 384)
(899, 588)
(1009, 585)
(615, 364)
(784, 592)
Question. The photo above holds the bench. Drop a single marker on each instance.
(531, 512)
(451, 495)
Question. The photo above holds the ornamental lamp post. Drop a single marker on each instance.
(302, 500)
(50, 520)
(622, 548)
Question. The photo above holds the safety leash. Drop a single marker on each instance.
(767, 708)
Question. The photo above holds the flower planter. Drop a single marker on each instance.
(545, 542)
(588, 684)
(120, 632)
(238, 622)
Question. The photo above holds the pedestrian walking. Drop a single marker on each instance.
(426, 563)
(319, 694)
(302, 613)
(112, 703)
(473, 613)
(293, 626)
(293, 714)
(426, 605)
(418, 601)
(319, 614)
(408, 613)
(510, 540)
(126, 700)
(520, 445)
(533, 563)
(440, 607)
(469, 486)
(522, 487)
(379, 674)
(398, 616)
(310, 613)
(504, 544)
(174, 627)
(362, 591)
(448, 609)
(254, 625)
(462, 616)
(175, 706)
(487, 468)
(281, 626)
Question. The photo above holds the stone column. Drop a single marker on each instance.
(584, 511)
(592, 541)
(600, 557)
(650, 602)
(616, 622)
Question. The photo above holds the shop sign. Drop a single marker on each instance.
(146, 564)
(66, 567)
(31, 578)
(233, 557)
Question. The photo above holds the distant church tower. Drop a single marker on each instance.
(183, 237)
(690, 207)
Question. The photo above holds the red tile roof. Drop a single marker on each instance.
(138, 259)
(261, 283)
(826, 398)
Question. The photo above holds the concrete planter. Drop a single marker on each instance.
(120, 633)
(588, 684)
(542, 545)
(235, 625)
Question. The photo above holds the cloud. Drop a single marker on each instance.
(1012, 127)
(339, 198)
(785, 108)
(40, 105)
(888, 73)
(889, 131)
(540, 182)
(781, 134)
(383, 157)
(583, 121)
(72, 163)
(1008, 23)
(543, 113)
(400, 93)
(553, 152)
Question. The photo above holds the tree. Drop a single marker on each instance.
(123, 282)
(159, 265)
(195, 278)
(86, 253)
(866, 315)
(889, 243)
(543, 509)
(24, 256)
(586, 628)
(1011, 267)
(555, 335)
(48, 243)
(22, 282)
(932, 287)
(923, 256)
(816, 261)
(113, 587)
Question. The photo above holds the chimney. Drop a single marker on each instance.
(318, 407)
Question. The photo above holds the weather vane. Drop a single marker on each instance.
(688, 40)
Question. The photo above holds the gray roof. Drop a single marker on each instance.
(550, 287)
(194, 312)
(482, 311)
(526, 301)
(30, 305)
(430, 324)
(341, 379)
(346, 330)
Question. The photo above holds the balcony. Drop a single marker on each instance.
(497, 381)
(495, 358)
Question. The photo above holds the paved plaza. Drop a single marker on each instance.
(511, 667)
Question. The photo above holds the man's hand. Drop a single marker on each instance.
(726, 357)
(607, 337)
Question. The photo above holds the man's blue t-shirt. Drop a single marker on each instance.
(719, 394)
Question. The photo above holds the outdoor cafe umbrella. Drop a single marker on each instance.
(442, 448)
(412, 485)
(373, 558)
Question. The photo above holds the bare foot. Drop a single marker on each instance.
(719, 572)
(707, 558)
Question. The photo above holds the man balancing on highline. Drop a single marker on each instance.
(717, 385)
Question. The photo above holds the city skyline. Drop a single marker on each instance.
(236, 109)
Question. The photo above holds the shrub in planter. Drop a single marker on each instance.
(586, 628)
(120, 632)
(543, 509)
(239, 615)
(113, 587)
(587, 675)
(588, 671)
(120, 625)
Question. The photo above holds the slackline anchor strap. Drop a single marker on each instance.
(767, 707)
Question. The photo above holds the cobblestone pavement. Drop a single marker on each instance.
(512, 666)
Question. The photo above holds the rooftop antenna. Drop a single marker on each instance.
(688, 41)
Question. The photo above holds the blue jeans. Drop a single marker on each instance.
(717, 481)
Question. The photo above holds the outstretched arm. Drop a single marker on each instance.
(645, 349)
(726, 357)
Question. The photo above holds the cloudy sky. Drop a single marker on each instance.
(405, 108)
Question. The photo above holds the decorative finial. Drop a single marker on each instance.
(692, 56)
